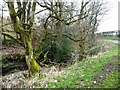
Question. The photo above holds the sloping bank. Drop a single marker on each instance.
(100, 72)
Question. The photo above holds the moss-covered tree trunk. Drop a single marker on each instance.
(23, 23)
(33, 66)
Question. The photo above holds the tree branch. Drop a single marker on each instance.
(17, 40)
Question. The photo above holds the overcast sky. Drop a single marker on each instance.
(110, 20)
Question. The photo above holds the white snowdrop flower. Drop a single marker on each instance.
(82, 75)
(95, 82)
(101, 76)
(55, 80)
(88, 87)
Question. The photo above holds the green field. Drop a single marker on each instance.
(110, 37)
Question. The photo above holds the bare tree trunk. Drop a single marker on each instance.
(4, 38)
(81, 49)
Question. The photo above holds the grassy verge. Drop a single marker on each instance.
(81, 75)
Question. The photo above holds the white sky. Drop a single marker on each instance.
(110, 20)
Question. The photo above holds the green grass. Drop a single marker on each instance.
(111, 80)
(110, 37)
(82, 75)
